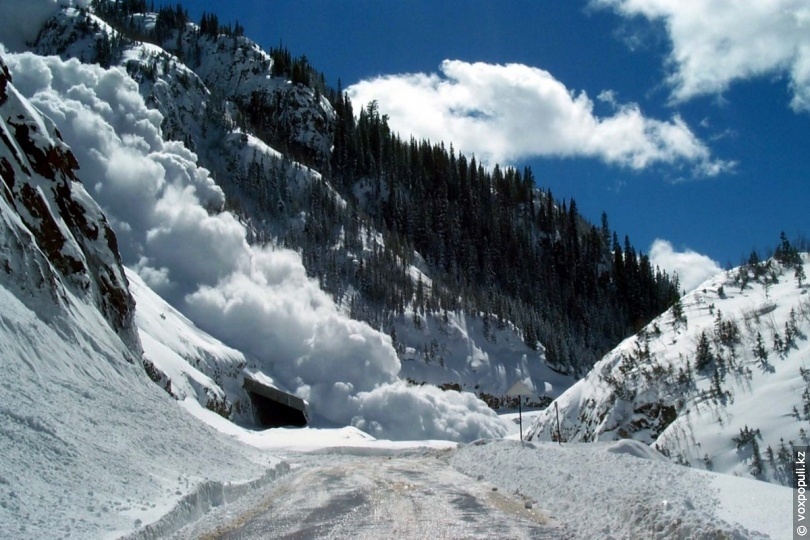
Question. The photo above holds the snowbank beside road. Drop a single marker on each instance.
(599, 493)
(90, 447)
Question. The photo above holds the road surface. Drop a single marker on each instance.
(373, 497)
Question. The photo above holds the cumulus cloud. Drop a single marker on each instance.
(165, 211)
(717, 42)
(503, 113)
(691, 267)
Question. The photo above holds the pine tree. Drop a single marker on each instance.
(717, 388)
(703, 355)
(769, 455)
(791, 330)
(678, 316)
(493, 241)
(757, 466)
(760, 352)
(778, 344)
(786, 253)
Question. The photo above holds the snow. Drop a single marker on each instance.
(456, 348)
(619, 490)
(92, 448)
(308, 439)
(187, 356)
(755, 505)
(595, 492)
(237, 67)
(257, 299)
(20, 20)
(634, 448)
(622, 399)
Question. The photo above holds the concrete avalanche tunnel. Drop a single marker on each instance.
(274, 408)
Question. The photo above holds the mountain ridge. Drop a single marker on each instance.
(362, 225)
(718, 382)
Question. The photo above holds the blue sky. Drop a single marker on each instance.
(685, 124)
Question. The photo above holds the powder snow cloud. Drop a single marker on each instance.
(503, 113)
(691, 267)
(165, 211)
(717, 42)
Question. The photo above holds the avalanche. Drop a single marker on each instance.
(90, 445)
(92, 448)
(256, 298)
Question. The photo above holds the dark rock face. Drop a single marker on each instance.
(53, 237)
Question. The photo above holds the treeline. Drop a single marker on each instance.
(171, 22)
(497, 244)
(121, 14)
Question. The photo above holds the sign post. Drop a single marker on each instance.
(520, 389)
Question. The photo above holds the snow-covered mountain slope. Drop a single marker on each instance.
(90, 446)
(452, 350)
(184, 360)
(200, 103)
(719, 382)
(190, 93)
(74, 246)
(487, 358)
(256, 299)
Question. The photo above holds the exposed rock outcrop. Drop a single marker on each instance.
(54, 238)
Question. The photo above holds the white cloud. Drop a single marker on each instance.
(503, 113)
(691, 267)
(717, 42)
(164, 211)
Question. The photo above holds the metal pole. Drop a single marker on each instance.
(520, 416)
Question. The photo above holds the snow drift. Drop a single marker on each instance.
(600, 490)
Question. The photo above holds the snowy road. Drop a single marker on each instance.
(358, 497)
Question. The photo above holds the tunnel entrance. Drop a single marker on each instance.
(273, 407)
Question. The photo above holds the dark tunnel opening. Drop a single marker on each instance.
(270, 413)
(273, 407)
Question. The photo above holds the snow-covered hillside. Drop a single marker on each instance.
(455, 351)
(234, 68)
(720, 382)
(90, 445)
(184, 360)
(459, 351)
(257, 299)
